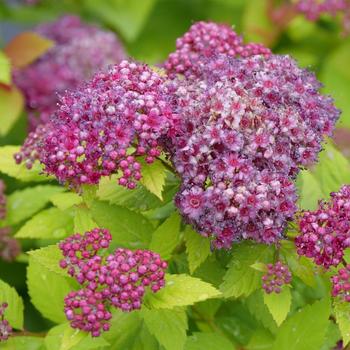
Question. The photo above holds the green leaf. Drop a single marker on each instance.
(181, 290)
(279, 304)
(65, 200)
(11, 106)
(23, 343)
(212, 341)
(261, 340)
(49, 223)
(47, 291)
(129, 229)
(49, 257)
(5, 69)
(197, 248)
(153, 177)
(82, 220)
(168, 326)
(342, 316)
(241, 279)
(125, 16)
(145, 340)
(166, 237)
(23, 204)
(305, 329)
(332, 337)
(64, 337)
(14, 311)
(9, 167)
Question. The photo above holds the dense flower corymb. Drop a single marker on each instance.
(341, 284)
(5, 328)
(80, 50)
(276, 277)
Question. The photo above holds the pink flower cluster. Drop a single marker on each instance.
(119, 279)
(245, 127)
(80, 50)
(341, 284)
(325, 233)
(5, 328)
(203, 40)
(277, 275)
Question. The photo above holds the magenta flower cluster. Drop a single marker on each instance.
(341, 284)
(325, 232)
(80, 50)
(5, 328)
(246, 127)
(276, 276)
(203, 40)
(118, 280)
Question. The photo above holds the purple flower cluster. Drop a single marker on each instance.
(119, 279)
(80, 50)
(203, 40)
(244, 130)
(341, 284)
(100, 128)
(276, 276)
(325, 232)
(5, 328)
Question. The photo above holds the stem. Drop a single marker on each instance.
(28, 334)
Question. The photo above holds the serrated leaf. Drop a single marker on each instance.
(181, 290)
(279, 304)
(11, 106)
(259, 267)
(128, 228)
(212, 341)
(65, 200)
(168, 326)
(153, 177)
(23, 343)
(23, 204)
(332, 337)
(342, 316)
(5, 69)
(64, 337)
(9, 167)
(26, 47)
(47, 291)
(261, 340)
(49, 223)
(305, 329)
(82, 220)
(197, 248)
(49, 257)
(14, 311)
(241, 279)
(166, 237)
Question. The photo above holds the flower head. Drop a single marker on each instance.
(276, 277)
(5, 328)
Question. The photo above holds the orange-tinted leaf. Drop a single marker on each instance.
(26, 48)
(11, 105)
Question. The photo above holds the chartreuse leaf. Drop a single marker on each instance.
(342, 316)
(260, 340)
(279, 304)
(305, 330)
(47, 291)
(49, 223)
(23, 343)
(26, 47)
(64, 337)
(14, 311)
(332, 337)
(241, 279)
(65, 200)
(197, 248)
(153, 177)
(49, 257)
(181, 290)
(23, 204)
(11, 106)
(129, 229)
(145, 340)
(212, 341)
(166, 237)
(82, 220)
(5, 69)
(168, 326)
(309, 190)
(9, 167)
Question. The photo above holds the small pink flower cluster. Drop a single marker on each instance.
(276, 276)
(203, 40)
(5, 328)
(325, 233)
(80, 50)
(341, 284)
(119, 279)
